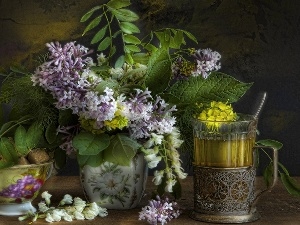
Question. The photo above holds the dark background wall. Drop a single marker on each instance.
(259, 41)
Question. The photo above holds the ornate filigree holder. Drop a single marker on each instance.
(224, 195)
(224, 171)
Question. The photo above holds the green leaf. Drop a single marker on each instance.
(86, 16)
(121, 150)
(217, 87)
(268, 174)
(125, 15)
(190, 36)
(33, 135)
(129, 28)
(8, 155)
(99, 35)
(142, 58)
(50, 133)
(130, 39)
(164, 38)
(177, 40)
(87, 143)
(120, 61)
(104, 44)
(150, 47)
(132, 48)
(20, 140)
(95, 22)
(117, 4)
(159, 72)
(128, 58)
(19, 69)
(270, 143)
(290, 184)
(91, 160)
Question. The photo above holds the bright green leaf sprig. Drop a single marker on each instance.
(289, 183)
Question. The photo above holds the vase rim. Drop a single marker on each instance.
(29, 165)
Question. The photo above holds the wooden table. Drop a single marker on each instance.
(276, 207)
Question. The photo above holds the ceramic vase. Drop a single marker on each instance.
(20, 185)
(113, 186)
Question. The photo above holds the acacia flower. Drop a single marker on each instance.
(45, 195)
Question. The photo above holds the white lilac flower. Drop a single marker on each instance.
(101, 58)
(45, 195)
(207, 61)
(116, 73)
(159, 211)
(66, 200)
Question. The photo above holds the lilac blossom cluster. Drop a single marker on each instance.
(147, 117)
(23, 188)
(61, 75)
(159, 211)
(207, 61)
(204, 62)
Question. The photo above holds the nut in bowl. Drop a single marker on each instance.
(20, 185)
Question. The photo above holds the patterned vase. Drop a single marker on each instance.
(20, 185)
(113, 186)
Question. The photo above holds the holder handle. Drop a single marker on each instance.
(275, 172)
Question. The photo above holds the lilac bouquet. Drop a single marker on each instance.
(112, 119)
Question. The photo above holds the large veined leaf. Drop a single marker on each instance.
(159, 72)
(7, 153)
(20, 140)
(87, 143)
(217, 87)
(91, 160)
(121, 150)
(33, 135)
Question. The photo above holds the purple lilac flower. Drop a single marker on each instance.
(207, 61)
(147, 117)
(23, 188)
(61, 75)
(159, 211)
(99, 107)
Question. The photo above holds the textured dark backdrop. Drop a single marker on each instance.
(259, 41)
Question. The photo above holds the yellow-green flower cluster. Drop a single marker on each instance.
(118, 122)
(218, 112)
